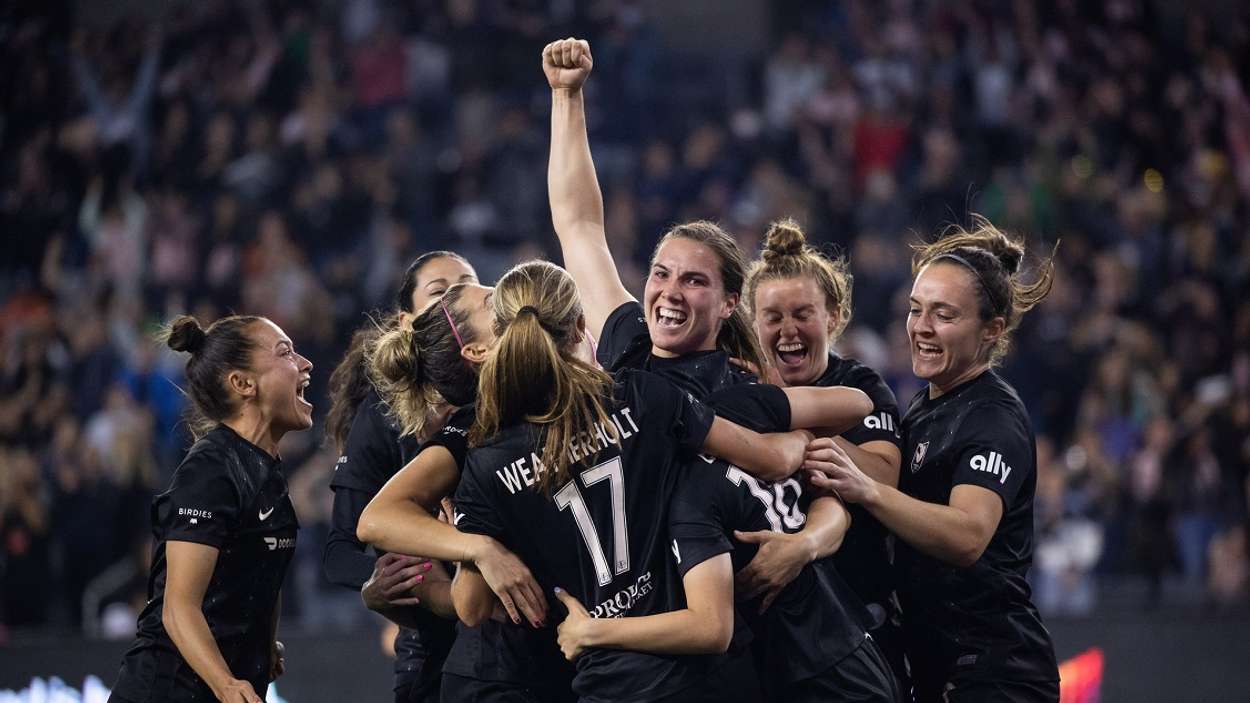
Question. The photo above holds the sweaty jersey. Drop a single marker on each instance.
(231, 495)
(862, 559)
(373, 453)
(975, 621)
(815, 620)
(600, 535)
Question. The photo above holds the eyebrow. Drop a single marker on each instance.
(464, 278)
(938, 304)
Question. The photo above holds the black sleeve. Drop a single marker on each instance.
(454, 435)
(755, 406)
(686, 419)
(347, 561)
(993, 450)
(202, 503)
(475, 507)
(371, 454)
(882, 424)
(625, 341)
(696, 524)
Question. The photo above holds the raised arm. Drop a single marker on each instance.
(398, 519)
(576, 202)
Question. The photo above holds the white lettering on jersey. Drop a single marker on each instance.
(279, 543)
(881, 421)
(991, 464)
(342, 460)
(196, 513)
(619, 604)
(518, 475)
(676, 551)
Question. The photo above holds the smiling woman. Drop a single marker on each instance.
(225, 529)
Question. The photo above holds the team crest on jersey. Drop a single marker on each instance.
(918, 458)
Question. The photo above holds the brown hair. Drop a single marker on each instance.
(993, 258)
(736, 336)
(349, 382)
(225, 346)
(787, 255)
(419, 367)
(534, 374)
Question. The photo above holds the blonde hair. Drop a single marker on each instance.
(994, 259)
(533, 373)
(787, 255)
(418, 368)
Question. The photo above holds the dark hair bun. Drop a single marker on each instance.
(784, 238)
(185, 334)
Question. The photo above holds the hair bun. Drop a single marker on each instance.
(784, 238)
(1009, 254)
(185, 334)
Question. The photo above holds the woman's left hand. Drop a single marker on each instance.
(277, 660)
(572, 633)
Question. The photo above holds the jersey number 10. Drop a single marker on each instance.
(570, 497)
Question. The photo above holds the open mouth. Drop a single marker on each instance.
(299, 392)
(669, 318)
(927, 351)
(791, 354)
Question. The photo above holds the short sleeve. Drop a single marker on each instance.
(755, 406)
(371, 454)
(475, 511)
(882, 424)
(695, 524)
(202, 502)
(626, 341)
(454, 435)
(686, 419)
(993, 451)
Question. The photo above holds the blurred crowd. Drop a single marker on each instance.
(289, 158)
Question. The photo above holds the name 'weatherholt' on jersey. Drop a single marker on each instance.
(523, 472)
(991, 464)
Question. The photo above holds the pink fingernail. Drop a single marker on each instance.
(420, 578)
(428, 564)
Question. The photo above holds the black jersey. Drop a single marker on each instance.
(815, 620)
(975, 621)
(500, 652)
(231, 495)
(373, 453)
(708, 375)
(863, 558)
(600, 535)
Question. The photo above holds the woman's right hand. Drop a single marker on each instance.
(513, 583)
(567, 63)
(394, 576)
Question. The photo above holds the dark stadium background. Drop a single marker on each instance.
(289, 158)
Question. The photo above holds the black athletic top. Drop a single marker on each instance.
(974, 622)
(374, 452)
(231, 495)
(517, 655)
(815, 620)
(863, 559)
(732, 392)
(599, 536)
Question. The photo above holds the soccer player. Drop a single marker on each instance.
(569, 468)
(800, 302)
(963, 511)
(225, 530)
(372, 448)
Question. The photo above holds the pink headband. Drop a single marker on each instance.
(451, 322)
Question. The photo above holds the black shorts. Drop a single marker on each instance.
(989, 691)
(461, 689)
(863, 676)
(735, 680)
